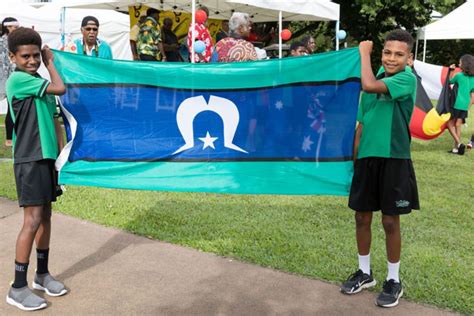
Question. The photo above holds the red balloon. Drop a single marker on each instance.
(285, 34)
(200, 16)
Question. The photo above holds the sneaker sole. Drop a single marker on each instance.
(392, 304)
(364, 286)
(36, 286)
(24, 308)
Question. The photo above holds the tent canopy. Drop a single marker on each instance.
(458, 24)
(260, 10)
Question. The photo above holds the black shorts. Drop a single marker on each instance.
(459, 114)
(35, 182)
(385, 184)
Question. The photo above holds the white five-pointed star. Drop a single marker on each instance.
(279, 105)
(307, 142)
(208, 141)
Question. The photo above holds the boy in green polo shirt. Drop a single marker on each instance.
(384, 178)
(460, 110)
(35, 148)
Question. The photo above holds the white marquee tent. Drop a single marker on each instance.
(458, 24)
(260, 10)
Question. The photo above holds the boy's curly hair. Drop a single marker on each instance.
(23, 36)
(401, 36)
(467, 67)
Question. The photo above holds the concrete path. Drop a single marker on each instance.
(110, 272)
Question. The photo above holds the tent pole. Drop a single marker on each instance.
(62, 18)
(416, 47)
(337, 39)
(193, 32)
(280, 42)
(424, 48)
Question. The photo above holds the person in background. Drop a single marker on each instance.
(149, 42)
(170, 41)
(234, 47)
(90, 44)
(201, 33)
(134, 35)
(298, 48)
(310, 44)
(9, 24)
(459, 113)
(224, 31)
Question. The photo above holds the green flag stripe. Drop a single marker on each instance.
(330, 66)
(331, 178)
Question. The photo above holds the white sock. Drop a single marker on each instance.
(393, 269)
(364, 263)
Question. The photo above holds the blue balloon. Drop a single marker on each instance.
(341, 34)
(199, 47)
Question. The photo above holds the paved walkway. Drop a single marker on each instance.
(110, 272)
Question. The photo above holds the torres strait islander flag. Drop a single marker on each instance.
(265, 127)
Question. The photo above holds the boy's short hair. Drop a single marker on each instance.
(23, 36)
(401, 36)
(88, 19)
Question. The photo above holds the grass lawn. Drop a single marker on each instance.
(309, 235)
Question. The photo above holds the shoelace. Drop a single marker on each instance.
(389, 286)
(354, 275)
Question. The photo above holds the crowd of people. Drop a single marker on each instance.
(234, 41)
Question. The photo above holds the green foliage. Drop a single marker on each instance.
(310, 235)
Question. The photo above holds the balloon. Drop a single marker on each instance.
(285, 34)
(341, 34)
(199, 47)
(200, 16)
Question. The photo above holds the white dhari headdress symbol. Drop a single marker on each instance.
(226, 109)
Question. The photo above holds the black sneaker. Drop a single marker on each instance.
(392, 291)
(461, 149)
(357, 281)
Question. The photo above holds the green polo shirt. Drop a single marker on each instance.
(386, 117)
(32, 110)
(465, 87)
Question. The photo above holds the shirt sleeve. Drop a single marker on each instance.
(455, 79)
(24, 85)
(400, 85)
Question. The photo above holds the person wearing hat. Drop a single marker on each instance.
(90, 44)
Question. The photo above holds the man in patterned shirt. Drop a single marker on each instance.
(149, 46)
